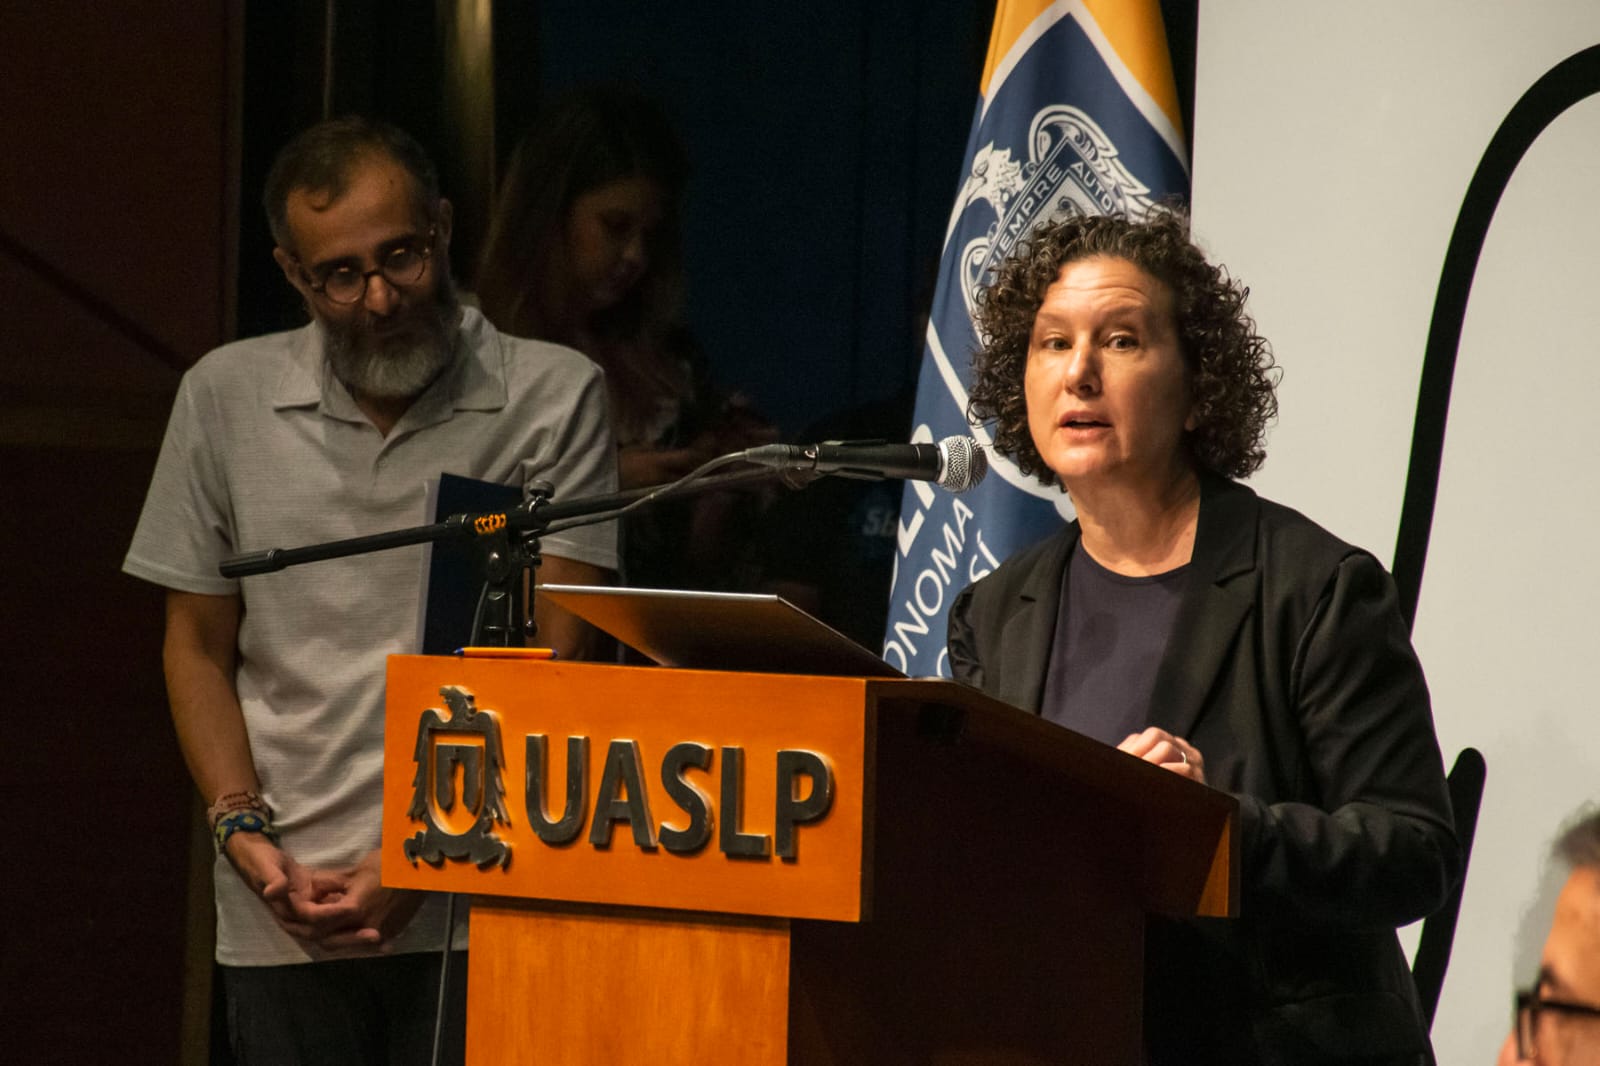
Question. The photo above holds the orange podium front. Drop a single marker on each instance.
(678, 865)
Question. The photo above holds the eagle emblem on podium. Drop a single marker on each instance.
(466, 740)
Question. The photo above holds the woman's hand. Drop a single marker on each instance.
(641, 465)
(739, 426)
(1168, 752)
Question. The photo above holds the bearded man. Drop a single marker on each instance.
(276, 682)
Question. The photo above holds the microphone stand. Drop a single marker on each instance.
(508, 541)
(507, 544)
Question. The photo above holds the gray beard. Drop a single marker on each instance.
(400, 366)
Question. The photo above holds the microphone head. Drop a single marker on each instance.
(964, 463)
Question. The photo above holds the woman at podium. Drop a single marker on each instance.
(1229, 639)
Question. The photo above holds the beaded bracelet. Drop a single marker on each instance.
(243, 821)
(236, 801)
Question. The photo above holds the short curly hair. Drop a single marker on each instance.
(1232, 374)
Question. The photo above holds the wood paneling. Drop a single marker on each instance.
(115, 216)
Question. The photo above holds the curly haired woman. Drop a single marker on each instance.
(1224, 637)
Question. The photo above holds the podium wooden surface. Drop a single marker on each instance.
(974, 892)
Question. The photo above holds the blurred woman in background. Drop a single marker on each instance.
(584, 249)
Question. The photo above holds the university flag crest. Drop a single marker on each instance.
(1077, 112)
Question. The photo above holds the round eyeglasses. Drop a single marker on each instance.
(346, 283)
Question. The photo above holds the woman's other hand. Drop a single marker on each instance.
(1167, 751)
(640, 465)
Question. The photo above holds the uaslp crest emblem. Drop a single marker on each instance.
(469, 741)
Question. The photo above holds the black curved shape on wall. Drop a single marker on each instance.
(1565, 84)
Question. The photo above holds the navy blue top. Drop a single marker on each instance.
(1111, 633)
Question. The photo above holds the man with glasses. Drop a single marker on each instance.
(1558, 1019)
(276, 682)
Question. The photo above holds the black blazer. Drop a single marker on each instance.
(1291, 670)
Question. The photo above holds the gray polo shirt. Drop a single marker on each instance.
(265, 449)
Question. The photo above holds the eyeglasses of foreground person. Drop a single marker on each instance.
(346, 283)
(1530, 1006)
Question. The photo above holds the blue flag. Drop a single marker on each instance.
(1076, 113)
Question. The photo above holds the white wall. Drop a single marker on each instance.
(1333, 145)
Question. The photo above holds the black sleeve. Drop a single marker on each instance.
(1379, 848)
(962, 642)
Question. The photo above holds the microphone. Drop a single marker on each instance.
(956, 463)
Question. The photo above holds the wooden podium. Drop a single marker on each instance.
(682, 865)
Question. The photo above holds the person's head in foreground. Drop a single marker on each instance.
(1558, 1019)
